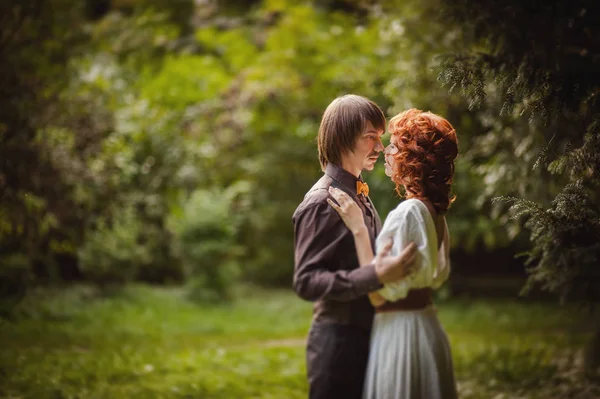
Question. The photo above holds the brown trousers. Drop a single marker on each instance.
(336, 361)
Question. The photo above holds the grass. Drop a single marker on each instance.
(153, 343)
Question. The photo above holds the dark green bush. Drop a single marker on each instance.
(205, 230)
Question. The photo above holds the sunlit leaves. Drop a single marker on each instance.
(186, 80)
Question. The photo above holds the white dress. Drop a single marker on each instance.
(409, 355)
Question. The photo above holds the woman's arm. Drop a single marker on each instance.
(354, 220)
(365, 256)
(318, 235)
(388, 268)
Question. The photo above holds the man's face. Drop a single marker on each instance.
(367, 148)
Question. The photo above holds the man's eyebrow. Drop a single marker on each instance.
(371, 131)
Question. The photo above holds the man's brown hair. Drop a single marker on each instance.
(342, 123)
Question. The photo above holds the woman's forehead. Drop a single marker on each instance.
(392, 138)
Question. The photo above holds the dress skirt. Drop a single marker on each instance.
(409, 357)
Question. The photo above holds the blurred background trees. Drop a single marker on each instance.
(542, 62)
(547, 70)
(171, 141)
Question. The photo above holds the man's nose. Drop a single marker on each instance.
(379, 146)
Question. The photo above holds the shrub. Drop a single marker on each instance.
(112, 253)
(205, 228)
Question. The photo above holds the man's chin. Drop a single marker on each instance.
(369, 166)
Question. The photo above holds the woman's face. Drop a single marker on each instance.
(390, 150)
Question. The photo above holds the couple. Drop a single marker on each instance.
(374, 332)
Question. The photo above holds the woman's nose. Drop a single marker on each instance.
(391, 150)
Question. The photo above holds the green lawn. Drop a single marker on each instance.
(153, 343)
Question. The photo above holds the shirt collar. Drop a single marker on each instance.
(343, 177)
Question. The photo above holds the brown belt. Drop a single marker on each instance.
(415, 300)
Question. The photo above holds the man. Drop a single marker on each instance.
(326, 265)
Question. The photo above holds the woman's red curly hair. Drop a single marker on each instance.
(427, 147)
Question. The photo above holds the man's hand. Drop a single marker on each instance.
(392, 268)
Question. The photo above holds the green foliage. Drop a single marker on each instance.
(113, 253)
(467, 75)
(206, 229)
(68, 159)
(566, 243)
(151, 105)
(32, 195)
(515, 67)
(541, 74)
(185, 80)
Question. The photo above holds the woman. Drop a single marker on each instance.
(409, 351)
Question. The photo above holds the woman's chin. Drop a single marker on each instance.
(388, 171)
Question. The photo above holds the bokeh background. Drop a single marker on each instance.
(152, 153)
